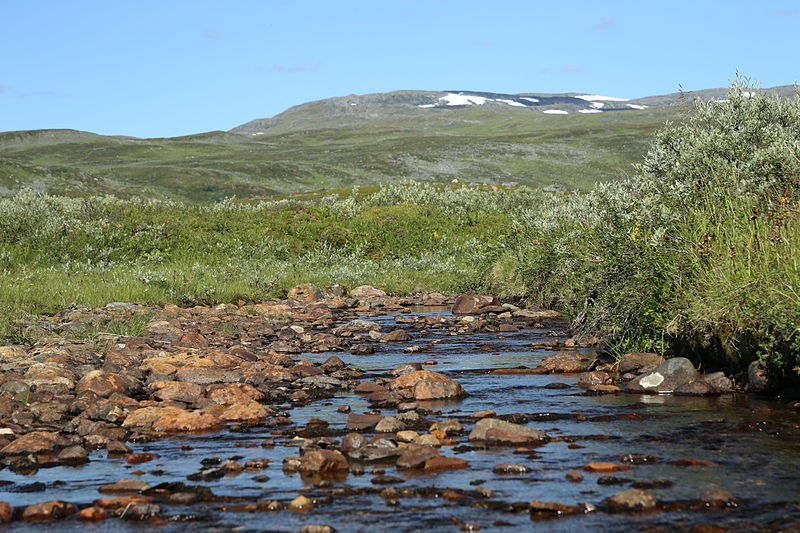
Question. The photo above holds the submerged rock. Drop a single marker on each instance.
(630, 500)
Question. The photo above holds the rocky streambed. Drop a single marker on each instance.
(364, 412)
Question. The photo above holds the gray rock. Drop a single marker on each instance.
(486, 424)
(666, 378)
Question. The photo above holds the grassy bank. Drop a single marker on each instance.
(58, 252)
(697, 252)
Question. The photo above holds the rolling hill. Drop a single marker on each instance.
(570, 139)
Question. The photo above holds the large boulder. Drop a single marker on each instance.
(666, 378)
(323, 461)
(35, 442)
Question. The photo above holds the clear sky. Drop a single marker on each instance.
(174, 67)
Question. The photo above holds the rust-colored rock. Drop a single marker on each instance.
(428, 385)
(104, 384)
(435, 464)
(92, 514)
(605, 467)
(468, 304)
(233, 393)
(305, 292)
(540, 508)
(35, 442)
(564, 362)
(320, 461)
(6, 513)
(178, 391)
(146, 416)
(188, 422)
(50, 510)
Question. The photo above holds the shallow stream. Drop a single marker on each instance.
(753, 442)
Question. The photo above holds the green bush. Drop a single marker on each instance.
(697, 251)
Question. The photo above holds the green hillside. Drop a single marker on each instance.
(490, 144)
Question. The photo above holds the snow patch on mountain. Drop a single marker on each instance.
(594, 97)
(555, 112)
(636, 106)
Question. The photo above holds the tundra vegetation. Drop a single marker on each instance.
(696, 251)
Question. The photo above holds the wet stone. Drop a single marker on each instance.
(50, 510)
(630, 500)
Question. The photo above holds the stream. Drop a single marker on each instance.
(751, 446)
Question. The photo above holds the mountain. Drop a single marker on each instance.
(570, 139)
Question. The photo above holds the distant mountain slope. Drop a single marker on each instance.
(536, 139)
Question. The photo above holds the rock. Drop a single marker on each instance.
(124, 485)
(379, 450)
(405, 369)
(468, 304)
(187, 422)
(639, 362)
(718, 497)
(73, 455)
(51, 510)
(564, 363)
(448, 427)
(435, 464)
(488, 413)
(353, 441)
(397, 335)
(332, 364)
(35, 442)
(605, 467)
(320, 461)
(630, 500)
(406, 436)
(146, 416)
(252, 412)
(539, 509)
(591, 379)
(140, 511)
(104, 384)
(363, 349)
(541, 314)
(505, 468)
(574, 476)
(697, 387)
(367, 292)
(389, 424)
(177, 391)
(719, 382)
(92, 514)
(43, 374)
(667, 377)
(416, 455)
(314, 528)
(300, 504)
(357, 326)
(6, 513)
(485, 425)
(759, 378)
(358, 421)
(428, 385)
(305, 292)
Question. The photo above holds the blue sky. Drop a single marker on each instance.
(172, 67)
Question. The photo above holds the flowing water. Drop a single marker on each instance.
(753, 442)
